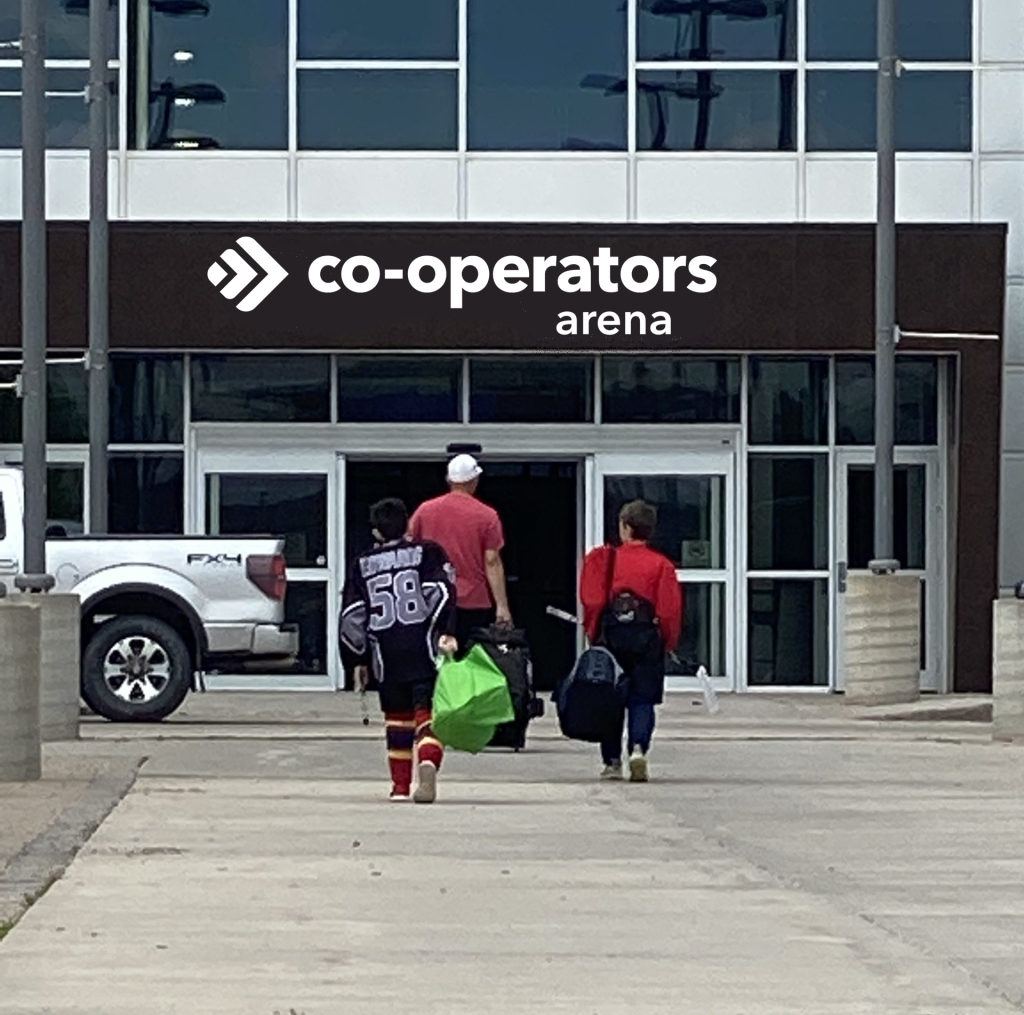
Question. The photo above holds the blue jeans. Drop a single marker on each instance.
(639, 719)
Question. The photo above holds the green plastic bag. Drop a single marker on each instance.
(471, 700)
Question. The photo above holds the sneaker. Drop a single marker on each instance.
(426, 787)
(612, 773)
(399, 797)
(638, 766)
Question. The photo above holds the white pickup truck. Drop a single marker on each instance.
(159, 610)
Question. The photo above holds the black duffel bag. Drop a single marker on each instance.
(590, 700)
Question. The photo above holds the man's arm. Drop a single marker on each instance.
(496, 580)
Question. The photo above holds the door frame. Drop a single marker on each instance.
(682, 462)
(935, 677)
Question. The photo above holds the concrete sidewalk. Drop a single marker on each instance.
(782, 875)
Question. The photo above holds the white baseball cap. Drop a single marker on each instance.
(463, 469)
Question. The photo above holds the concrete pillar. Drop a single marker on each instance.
(60, 667)
(1008, 669)
(881, 620)
(20, 628)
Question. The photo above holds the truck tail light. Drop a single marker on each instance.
(267, 573)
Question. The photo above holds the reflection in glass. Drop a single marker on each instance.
(546, 76)
(933, 111)
(261, 389)
(789, 508)
(788, 632)
(67, 28)
(305, 604)
(925, 30)
(917, 400)
(670, 390)
(372, 30)
(291, 506)
(409, 110)
(702, 642)
(67, 115)
(788, 401)
(147, 493)
(716, 30)
(382, 389)
(208, 75)
(691, 515)
(65, 500)
(67, 404)
(716, 111)
(513, 389)
(909, 515)
(147, 399)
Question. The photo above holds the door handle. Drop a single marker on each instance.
(841, 576)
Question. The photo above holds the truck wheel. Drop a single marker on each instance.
(135, 669)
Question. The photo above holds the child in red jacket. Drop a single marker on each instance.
(634, 578)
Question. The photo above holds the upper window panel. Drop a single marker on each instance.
(670, 390)
(546, 75)
(67, 115)
(67, 27)
(925, 30)
(209, 75)
(372, 30)
(734, 30)
(261, 389)
(788, 400)
(684, 111)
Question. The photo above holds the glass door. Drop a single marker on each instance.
(917, 538)
(250, 492)
(694, 495)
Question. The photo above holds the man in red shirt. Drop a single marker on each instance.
(470, 533)
(633, 605)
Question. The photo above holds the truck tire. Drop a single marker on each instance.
(135, 669)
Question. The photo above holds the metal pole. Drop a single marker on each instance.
(33, 293)
(885, 291)
(99, 264)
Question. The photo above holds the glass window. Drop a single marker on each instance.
(789, 509)
(511, 389)
(716, 111)
(67, 27)
(691, 515)
(702, 642)
(147, 493)
(371, 30)
(261, 389)
(209, 75)
(147, 401)
(65, 500)
(917, 400)
(384, 389)
(925, 30)
(788, 632)
(909, 513)
(291, 506)
(67, 404)
(546, 76)
(67, 115)
(655, 389)
(680, 30)
(378, 109)
(788, 401)
(933, 111)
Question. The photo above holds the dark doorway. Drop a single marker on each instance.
(538, 505)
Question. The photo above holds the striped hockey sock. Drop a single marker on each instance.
(400, 731)
(428, 747)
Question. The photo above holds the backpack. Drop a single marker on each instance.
(629, 623)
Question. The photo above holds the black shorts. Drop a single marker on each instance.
(406, 696)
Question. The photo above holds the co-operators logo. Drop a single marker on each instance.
(243, 273)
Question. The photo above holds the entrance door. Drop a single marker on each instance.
(917, 539)
(694, 495)
(260, 493)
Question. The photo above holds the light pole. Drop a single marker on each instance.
(885, 291)
(33, 294)
(99, 270)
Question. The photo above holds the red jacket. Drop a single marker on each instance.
(640, 570)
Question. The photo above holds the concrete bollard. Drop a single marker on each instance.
(882, 639)
(20, 629)
(1008, 670)
(60, 666)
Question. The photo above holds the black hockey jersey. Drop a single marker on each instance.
(398, 600)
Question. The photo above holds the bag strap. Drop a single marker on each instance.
(610, 575)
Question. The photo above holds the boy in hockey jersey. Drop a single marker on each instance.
(397, 615)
